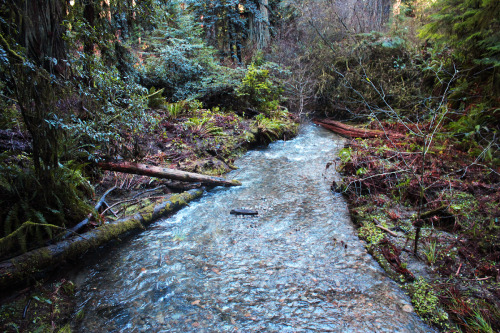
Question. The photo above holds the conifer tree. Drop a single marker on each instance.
(472, 29)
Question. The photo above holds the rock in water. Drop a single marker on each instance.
(244, 212)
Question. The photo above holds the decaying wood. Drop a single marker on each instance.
(436, 211)
(354, 132)
(159, 172)
(20, 268)
(86, 221)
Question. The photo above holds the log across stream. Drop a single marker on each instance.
(297, 266)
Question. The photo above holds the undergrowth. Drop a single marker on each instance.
(460, 224)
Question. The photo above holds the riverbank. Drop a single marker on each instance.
(396, 186)
(296, 266)
(203, 141)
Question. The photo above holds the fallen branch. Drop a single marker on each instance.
(433, 212)
(18, 269)
(86, 221)
(354, 132)
(159, 172)
(146, 191)
(392, 233)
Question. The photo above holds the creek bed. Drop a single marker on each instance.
(296, 267)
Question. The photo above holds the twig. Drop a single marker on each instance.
(129, 200)
(485, 278)
(146, 191)
(392, 233)
(377, 224)
(26, 309)
(458, 270)
(119, 203)
(112, 211)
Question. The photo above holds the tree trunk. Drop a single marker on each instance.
(16, 270)
(259, 32)
(159, 172)
(42, 31)
(354, 132)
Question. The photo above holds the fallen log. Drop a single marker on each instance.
(159, 172)
(18, 269)
(87, 219)
(354, 132)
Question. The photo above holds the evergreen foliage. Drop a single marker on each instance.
(471, 28)
(178, 60)
(259, 89)
(225, 23)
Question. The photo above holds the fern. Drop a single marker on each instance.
(203, 127)
(269, 128)
(27, 206)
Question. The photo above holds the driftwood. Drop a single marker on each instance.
(243, 212)
(159, 172)
(354, 132)
(18, 269)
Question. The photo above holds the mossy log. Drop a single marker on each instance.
(20, 268)
(354, 132)
(159, 172)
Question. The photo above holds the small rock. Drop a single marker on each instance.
(408, 308)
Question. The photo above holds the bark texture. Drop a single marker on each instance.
(354, 132)
(19, 269)
(159, 172)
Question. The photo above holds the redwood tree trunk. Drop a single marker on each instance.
(41, 32)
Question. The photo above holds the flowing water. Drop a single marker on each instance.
(296, 267)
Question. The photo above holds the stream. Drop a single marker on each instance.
(296, 267)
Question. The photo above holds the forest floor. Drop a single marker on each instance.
(454, 280)
(202, 141)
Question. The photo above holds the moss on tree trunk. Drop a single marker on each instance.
(18, 269)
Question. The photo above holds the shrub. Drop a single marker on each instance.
(259, 89)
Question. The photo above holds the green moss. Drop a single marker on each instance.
(426, 302)
(370, 233)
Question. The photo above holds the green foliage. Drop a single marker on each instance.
(345, 154)
(178, 59)
(155, 98)
(479, 324)
(176, 109)
(32, 210)
(371, 74)
(224, 22)
(426, 302)
(371, 233)
(271, 129)
(204, 126)
(112, 106)
(474, 125)
(430, 252)
(471, 28)
(259, 89)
